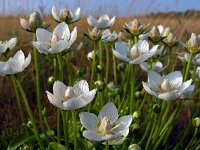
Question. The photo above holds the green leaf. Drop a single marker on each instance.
(56, 146)
(19, 140)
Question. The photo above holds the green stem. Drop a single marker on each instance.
(188, 67)
(100, 53)
(114, 66)
(38, 94)
(107, 146)
(75, 129)
(18, 100)
(65, 119)
(192, 139)
(169, 57)
(69, 67)
(60, 66)
(107, 63)
(93, 64)
(35, 130)
(132, 84)
(194, 73)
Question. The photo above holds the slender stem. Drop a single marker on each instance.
(132, 84)
(64, 118)
(35, 130)
(93, 64)
(18, 100)
(75, 129)
(192, 139)
(107, 63)
(114, 66)
(38, 94)
(169, 57)
(69, 68)
(188, 67)
(100, 53)
(58, 125)
(194, 73)
(60, 67)
(107, 146)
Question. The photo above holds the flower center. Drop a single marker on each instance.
(105, 126)
(69, 93)
(54, 39)
(165, 86)
(65, 14)
(135, 52)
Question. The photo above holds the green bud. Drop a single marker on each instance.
(44, 112)
(100, 85)
(35, 21)
(80, 72)
(196, 122)
(156, 108)
(51, 80)
(138, 94)
(121, 66)
(135, 128)
(99, 69)
(134, 147)
(136, 115)
(29, 125)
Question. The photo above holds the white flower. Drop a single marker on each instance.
(71, 98)
(107, 36)
(66, 15)
(61, 39)
(169, 87)
(107, 126)
(137, 54)
(185, 57)
(134, 147)
(15, 64)
(156, 66)
(103, 22)
(111, 86)
(7, 45)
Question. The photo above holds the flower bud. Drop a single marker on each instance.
(35, 21)
(65, 15)
(51, 80)
(121, 66)
(29, 124)
(91, 55)
(135, 25)
(111, 85)
(193, 43)
(80, 72)
(99, 69)
(167, 31)
(136, 115)
(138, 94)
(44, 112)
(135, 128)
(95, 34)
(156, 108)
(134, 147)
(100, 85)
(155, 33)
(196, 122)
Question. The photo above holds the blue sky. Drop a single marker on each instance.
(98, 7)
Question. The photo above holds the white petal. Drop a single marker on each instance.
(144, 66)
(160, 28)
(25, 24)
(92, 21)
(140, 59)
(11, 43)
(120, 56)
(120, 140)
(92, 136)
(13, 66)
(149, 90)
(175, 79)
(187, 92)
(59, 89)
(3, 48)
(89, 120)
(112, 21)
(169, 95)
(59, 47)
(154, 80)
(73, 37)
(41, 47)
(123, 123)
(76, 15)
(55, 14)
(110, 111)
(81, 87)
(62, 31)
(53, 100)
(143, 46)
(3, 68)
(26, 61)
(43, 35)
(19, 56)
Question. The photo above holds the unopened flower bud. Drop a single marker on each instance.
(100, 85)
(65, 15)
(121, 66)
(29, 124)
(138, 94)
(136, 115)
(91, 55)
(196, 122)
(134, 147)
(35, 21)
(135, 128)
(51, 80)
(99, 69)
(193, 43)
(135, 25)
(167, 31)
(155, 32)
(80, 72)
(156, 108)
(44, 112)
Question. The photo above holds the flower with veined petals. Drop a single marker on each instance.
(102, 23)
(61, 39)
(185, 57)
(109, 37)
(35, 21)
(137, 54)
(156, 66)
(71, 98)
(135, 28)
(94, 34)
(7, 45)
(66, 15)
(107, 126)
(169, 87)
(15, 64)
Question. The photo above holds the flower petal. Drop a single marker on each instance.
(25, 24)
(122, 123)
(73, 37)
(26, 61)
(143, 46)
(59, 89)
(11, 43)
(120, 56)
(169, 95)
(41, 47)
(3, 48)
(81, 87)
(62, 31)
(148, 89)
(55, 13)
(89, 120)
(43, 35)
(92, 136)
(154, 80)
(92, 21)
(59, 47)
(53, 100)
(175, 79)
(110, 111)
(76, 15)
